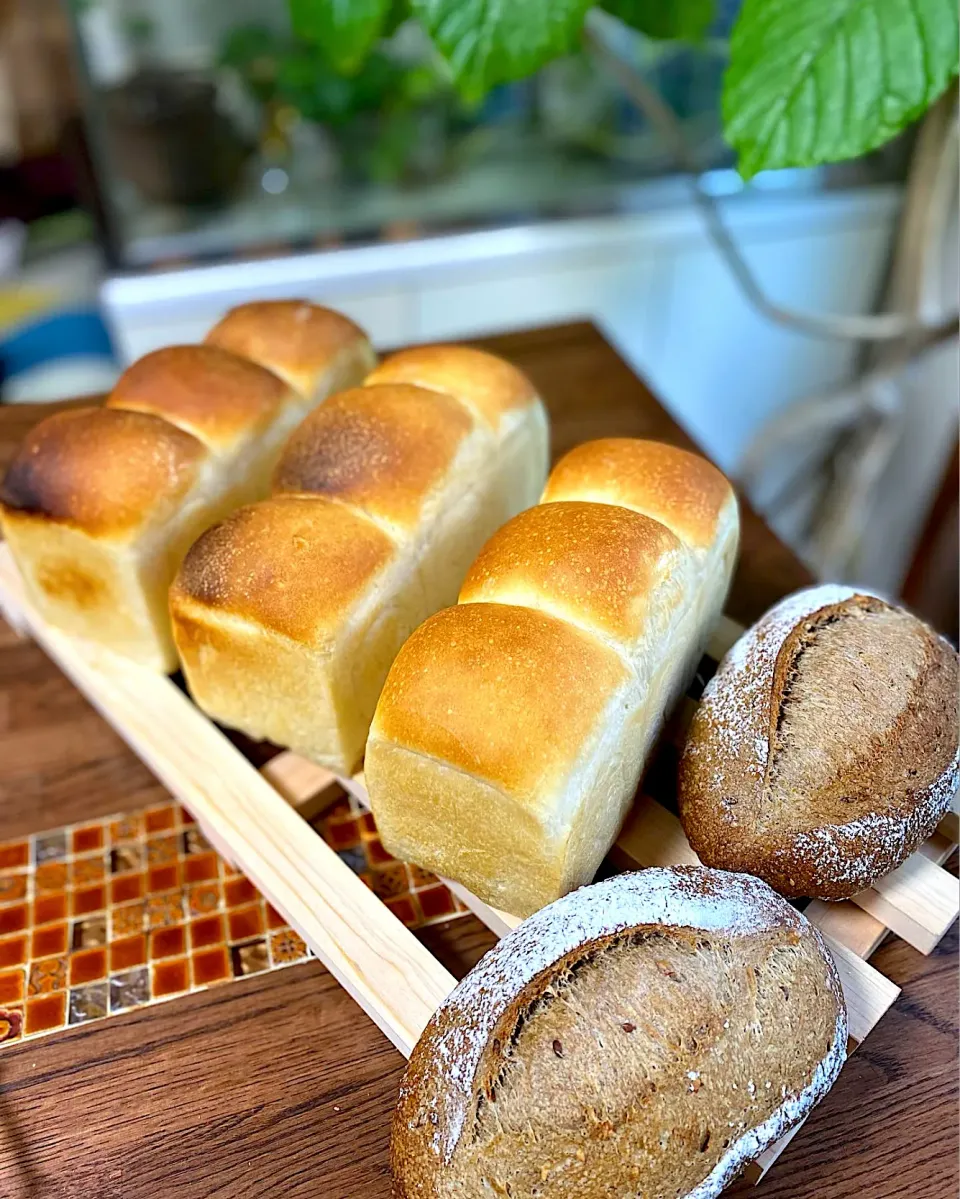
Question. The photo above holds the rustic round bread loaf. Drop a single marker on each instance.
(647, 1035)
(824, 750)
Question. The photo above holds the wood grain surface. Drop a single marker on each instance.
(278, 1085)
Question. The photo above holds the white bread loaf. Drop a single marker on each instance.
(513, 728)
(295, 339)
(100, 504)
(288, 614)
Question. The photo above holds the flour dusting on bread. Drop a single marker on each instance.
(449, 1079)
(824, 749)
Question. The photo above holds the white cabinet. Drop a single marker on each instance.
(650, 280)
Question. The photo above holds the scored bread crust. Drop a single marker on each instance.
(813, 848)
(460, 1058)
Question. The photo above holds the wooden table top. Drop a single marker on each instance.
(278, 1085)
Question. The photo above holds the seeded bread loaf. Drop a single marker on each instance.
(648, 1035)
(824, 750)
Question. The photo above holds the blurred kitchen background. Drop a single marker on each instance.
(161, 160)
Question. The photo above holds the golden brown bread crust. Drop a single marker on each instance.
(681, 490)
(384, 449)
(292, 564)
(824, 751)
(499, 729)
(595, 565)
(293, 337)
(648, 1035)
(209, 392)
(106, 471)
(490, 386)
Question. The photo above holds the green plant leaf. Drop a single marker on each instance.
(684, 20)
(814, 81)
(487, 42)
(345, 30)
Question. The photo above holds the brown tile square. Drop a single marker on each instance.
(11, 986)
(287, 946)
(228, 870)
(130, 989)
(164, 910)
(420, 877)
(14, 855)
(127, 828)
(160, 820)
(169, 977)
(50, 974)
(342, 835)
(274, 919)
(87, 1003)
(46, 1013)
(163, 878)
(245, 923)
(249, 959)
(50, 847)
(51, 876)
(49, 908)
(85, 840)
(404, 907)
(126, 858)
(128, 952)
(13, 919)
(87, 870)
(167, 942)
(12, 887)
(126, 887)
(11, 1024)
(200, 868)
(87, 966)
(48, 941)
(204, 898)
(88, 899)
(128, 919)
(391, 880)
(377, 855)
(185, 818)
(194, 841)
(368, 825)
(436, 902)
(239, 891)
(13, 951)
(162, 850)
(206, 931)
(211, 966)
(339, 811)
(89, 932)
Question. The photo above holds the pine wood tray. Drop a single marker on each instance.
(255, 818)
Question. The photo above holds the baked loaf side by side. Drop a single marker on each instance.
(513, 728)
(648, 1035)
(99, 505)
(315, 350)
(825, 748)
(288, 615)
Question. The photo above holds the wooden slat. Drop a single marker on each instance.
(397, 982)
(918, 901)
(309, 788)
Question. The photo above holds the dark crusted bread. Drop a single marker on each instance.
(648, 1035)
(824, 750)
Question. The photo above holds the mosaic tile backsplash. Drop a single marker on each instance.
(103, 917)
